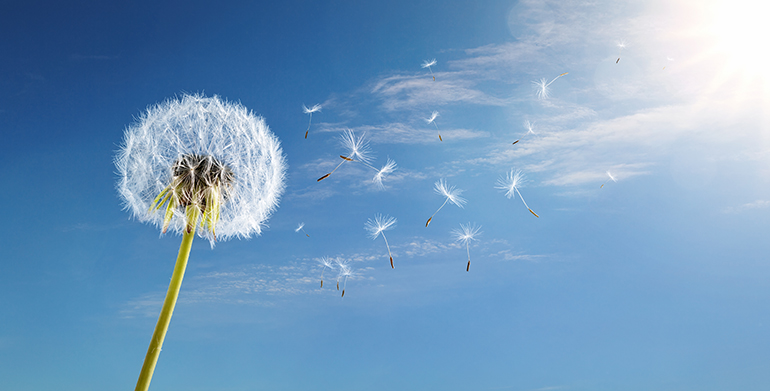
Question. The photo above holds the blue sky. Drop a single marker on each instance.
(655, 281)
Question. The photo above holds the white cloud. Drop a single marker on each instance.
(410, 92)
(758, 204)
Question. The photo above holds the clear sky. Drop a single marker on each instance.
(658, 280)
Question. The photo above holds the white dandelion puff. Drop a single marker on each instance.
(465, 235)
(542, 86)
(213, 164)
(301, 227)
(389, 167)
(451, 193)
(325, 262)
(378, 226)
(310, 111)
(611, 177)
(432, 120)
(429, 64)
(511, 184)
(217, 148)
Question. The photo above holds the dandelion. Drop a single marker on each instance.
(208, 163)
(325, 262)
(621, 46)
(345, 272)
(377, 227)
(542, 86)
(669, 59)
(389, 167)
(359, 151)
(428, 64)
(432, 120)
(301, 227)
(310, 111)
(527, 125)
(511, 183)
(465, 235)
(452, 195)
(610, 178)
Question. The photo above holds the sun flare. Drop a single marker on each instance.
(740, 30)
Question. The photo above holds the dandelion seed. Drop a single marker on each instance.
(432, 120)
(610, 178)
(465, 235)
(542, 86)
(378, 226)
(669, 59)
(527, 125)
(389, 167)
(310, 111)
(210, 164)
(301, 227)
(429, 64)
(621, 46)
(325, 262)
(359, 151)
(511, 183)
(452, 195)
(345, 272)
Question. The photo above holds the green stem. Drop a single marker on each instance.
(165, 313)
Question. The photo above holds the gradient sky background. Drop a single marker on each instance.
(656, 281)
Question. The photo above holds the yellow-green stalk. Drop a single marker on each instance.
(156, 343)
(200, 184)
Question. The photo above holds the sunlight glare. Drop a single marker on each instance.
(741, 29)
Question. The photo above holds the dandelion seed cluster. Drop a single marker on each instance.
(214, 130)
(358, 150)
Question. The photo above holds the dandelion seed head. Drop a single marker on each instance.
(180, 129)
(312, 109)
(450, 192)
(510, 182)
(299, 227)
(612, 177)
(379, 224)
(542, 88)
(466, 233)
(326, 262)
(529, 125)
(389, 167)
(432, 118)
(358, 147)
(344, 266)
(428, 64)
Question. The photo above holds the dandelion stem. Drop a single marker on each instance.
(308, 125)
(468, 249)
(434, 213)
(525, 203)
(145, 376)
(389, 254)
(335, 169)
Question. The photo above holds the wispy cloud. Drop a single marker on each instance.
(758, 204)
(404, 133)
(408, 92)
